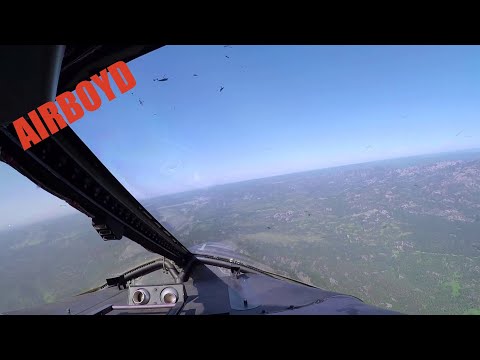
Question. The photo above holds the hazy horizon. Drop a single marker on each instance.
(68, 210)
(472, 150)
(231, 114)
(281, 109)
(352, 168)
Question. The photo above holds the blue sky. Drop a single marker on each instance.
(283, 109)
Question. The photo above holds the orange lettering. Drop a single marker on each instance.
(103, 83)
(25, 133)
(82, 89)
(70, 108)
(50, 115)
(117, 70)
(38, 124)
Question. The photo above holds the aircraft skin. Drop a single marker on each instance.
(204, 280)
(214, 290)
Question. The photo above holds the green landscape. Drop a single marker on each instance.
(400, 234)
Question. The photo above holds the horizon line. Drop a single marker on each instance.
(313, 169)
(76, 212)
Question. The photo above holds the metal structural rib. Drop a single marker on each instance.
(64, 166)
